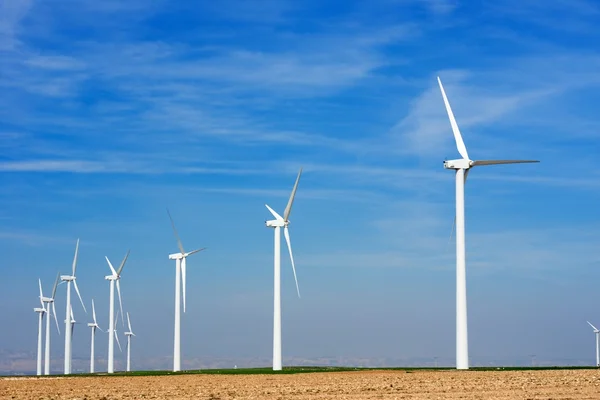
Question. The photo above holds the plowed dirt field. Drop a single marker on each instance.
(554, 384)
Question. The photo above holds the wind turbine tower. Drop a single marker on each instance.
(129, 334)
(462, 167)
(597, 333)
(277, 224)
(115, 276)
(41, 311)
(180, 274)
(48, 301)
(68, 328)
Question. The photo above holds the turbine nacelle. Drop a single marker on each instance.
(274, 223)
(176, 256)
(67, 278)
(40, 310)
(458, 164)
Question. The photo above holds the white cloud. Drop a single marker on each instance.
(11, 14)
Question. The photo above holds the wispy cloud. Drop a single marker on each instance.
(11, 14)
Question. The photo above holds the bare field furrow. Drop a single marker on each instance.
(534, 385)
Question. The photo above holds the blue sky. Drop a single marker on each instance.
(111, 112)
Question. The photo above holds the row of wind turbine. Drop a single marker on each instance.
(461, 166)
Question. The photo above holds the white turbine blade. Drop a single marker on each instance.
(117, 337)
(41, 294)
(452, 230)
(75, 258)
(97, 326)
(496, 162)
(288, 208)
(72, 316)
(55, 319)
(591, 325)
(78, 294)
(122, 264)
(120, 302)
(55, 285)
(183, 263)
(460, 145)
(194, 251)
(289, 246)
(176, 234)
(94, 312)
(129, 323)
(277, 216)
(111, 266)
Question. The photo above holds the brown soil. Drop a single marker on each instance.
(561, 384)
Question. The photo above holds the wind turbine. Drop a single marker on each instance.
(49, 300)
(277, 223)
(462, 167)
(68, 327)
(597, 332)
(179, 279)
(129, 334)
(41, 311)
(115, 276)
(93, 325)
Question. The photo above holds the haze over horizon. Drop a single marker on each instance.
(111, 112)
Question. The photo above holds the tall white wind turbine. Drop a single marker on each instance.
(115, 276)
(180, 273)
(93, 325)
(462, 167)
(48, 301)
(129, 334)
(277, 224)
(597, 333)
(68, 327)
(41, 311)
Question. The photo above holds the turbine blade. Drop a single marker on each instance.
(94, 312)
(460, 145)
(465, 175)
(75, 258)
(591, 325)
(120, 302)
(112, 269)
(452, 230)
(41, 294)
(78, 294)
(97, 326)
(117, 337)
(195, 251)
(183, 263)
(122, 264)
(288, 208)
(496, 162)
(55, 319)
(128, 322)
(289, 246)
(176, 234)
(277, 216)
(55, 285)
